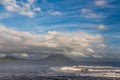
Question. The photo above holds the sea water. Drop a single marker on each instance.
(101, 69)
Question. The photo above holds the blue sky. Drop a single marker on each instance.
(41, 16)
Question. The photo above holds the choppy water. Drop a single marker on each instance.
(57, 69)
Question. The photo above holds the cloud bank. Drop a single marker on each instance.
(71, 44)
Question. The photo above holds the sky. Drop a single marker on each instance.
(75, 28)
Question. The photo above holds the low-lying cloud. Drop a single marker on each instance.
(68, 43)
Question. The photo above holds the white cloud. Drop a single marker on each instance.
(102, 46)
(100, 2)
(98, 55)
(88, 13)
(85, 10)
(101, 27)
(55, 13)
(90, 50)
(30, 13)
(37, 9)
(31, 1)
(71, 44)
(20, 7)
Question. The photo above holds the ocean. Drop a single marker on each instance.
(96, 69)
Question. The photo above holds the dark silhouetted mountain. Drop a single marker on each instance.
(56, 58)
(11, 58)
